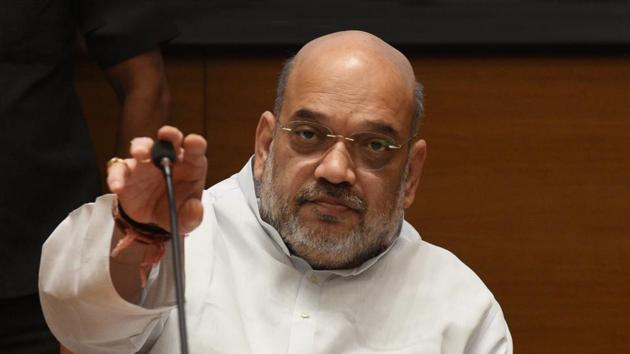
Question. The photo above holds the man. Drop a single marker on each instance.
(304, 251)
(46, 144)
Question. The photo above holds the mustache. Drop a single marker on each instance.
(343, 193)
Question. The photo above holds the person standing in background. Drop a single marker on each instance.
(45, 141)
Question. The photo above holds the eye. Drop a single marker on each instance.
(305, 133)
(378, 145)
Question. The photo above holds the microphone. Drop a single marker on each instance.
(163, 156)
(162, 149)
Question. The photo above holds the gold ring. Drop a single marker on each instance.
(147, 160)
(114, 160)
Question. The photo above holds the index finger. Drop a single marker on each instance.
(117, 172)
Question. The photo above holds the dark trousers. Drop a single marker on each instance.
(23, 329)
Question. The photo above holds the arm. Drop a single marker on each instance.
(141, 87)
(91, 301)
(78, 296)
(125, 37)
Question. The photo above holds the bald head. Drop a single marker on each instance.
(353, 49)
(353, 58)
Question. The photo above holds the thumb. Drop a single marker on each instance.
(190, 215)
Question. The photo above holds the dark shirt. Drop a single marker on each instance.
(47, 163)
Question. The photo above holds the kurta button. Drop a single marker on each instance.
(305, 315)
(313, 279)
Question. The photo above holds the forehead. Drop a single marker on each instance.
(349, 92)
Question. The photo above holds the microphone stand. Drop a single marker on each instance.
(163, 155)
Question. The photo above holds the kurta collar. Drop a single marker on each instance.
(250, 188)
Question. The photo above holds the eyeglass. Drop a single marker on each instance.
(369, 150)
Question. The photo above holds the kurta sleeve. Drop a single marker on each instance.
(79, 301)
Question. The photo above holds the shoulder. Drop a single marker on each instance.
(440, 283)
(224, 189)
(441, 277)
(445, 267)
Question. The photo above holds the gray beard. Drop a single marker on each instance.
(321, 246)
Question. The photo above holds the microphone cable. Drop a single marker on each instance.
(163, 156)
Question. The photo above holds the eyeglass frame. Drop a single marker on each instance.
(331, 134)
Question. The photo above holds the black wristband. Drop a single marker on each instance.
(150, 229)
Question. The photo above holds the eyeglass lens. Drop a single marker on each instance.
(369, 150)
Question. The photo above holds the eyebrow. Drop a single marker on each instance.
(321, 118)
(382, 127)
(308, 115)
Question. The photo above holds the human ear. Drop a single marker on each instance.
(264, 137)
(416, 163)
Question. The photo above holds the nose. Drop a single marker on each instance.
(336, 165)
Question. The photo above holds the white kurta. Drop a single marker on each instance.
(246, 294)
